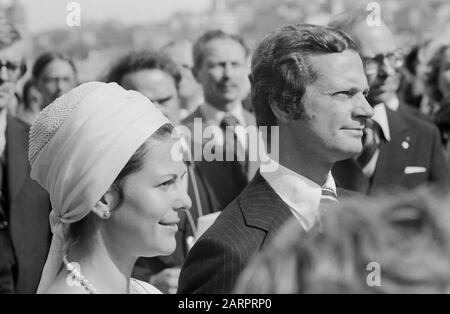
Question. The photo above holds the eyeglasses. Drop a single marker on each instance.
(395, 60)
(12, 68)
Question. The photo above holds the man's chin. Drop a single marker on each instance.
(349, 152)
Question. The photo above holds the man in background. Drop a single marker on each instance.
(24, 205)
(399, 148)
(189, 91)
(221, 68)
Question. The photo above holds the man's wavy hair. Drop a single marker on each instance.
(200, 45)
(142, 60)
(406, 233)
(280, 68)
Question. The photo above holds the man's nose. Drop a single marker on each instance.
(228, 70)
(4, 76)
(61, 85)
(363, 109)
(386, 69)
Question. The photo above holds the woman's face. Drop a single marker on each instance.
(444, 75)
(57, 78)
(146, 222)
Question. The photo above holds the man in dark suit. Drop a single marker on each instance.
(221, 67)
(400, 149)
(25, 206)
(308, 86)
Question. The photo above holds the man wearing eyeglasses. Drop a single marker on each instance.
(400, 150)
(24, 205)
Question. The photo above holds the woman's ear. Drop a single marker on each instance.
(106, 204)
(101, 210)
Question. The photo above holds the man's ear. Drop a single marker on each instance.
(23, 69)
(282, 115)
(195, 73)
(106, 204)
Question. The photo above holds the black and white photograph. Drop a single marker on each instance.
(224, 151)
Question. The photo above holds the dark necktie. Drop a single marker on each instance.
(229, 121)
(371, 143)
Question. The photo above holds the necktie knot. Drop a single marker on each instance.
(229, 120)
(328, 194)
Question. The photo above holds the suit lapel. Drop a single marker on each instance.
(16, 156)
(263, 208)
(348, 175)
(394, 155)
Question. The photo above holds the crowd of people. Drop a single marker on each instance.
(100, 193)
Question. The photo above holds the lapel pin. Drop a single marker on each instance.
(405, 143)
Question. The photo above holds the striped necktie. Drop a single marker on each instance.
(328, 200)
(328, 194)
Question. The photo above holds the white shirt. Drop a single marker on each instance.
(3, 114)
(300, 193)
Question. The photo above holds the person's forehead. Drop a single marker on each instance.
(339, 70)
(14, 52)
(149, 80)
(223, 47)
(159, 159)
(373, 40)
(58, 66)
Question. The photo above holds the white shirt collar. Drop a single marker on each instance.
(215, 116)
(3, 120)
(300, 193)
(380, 117)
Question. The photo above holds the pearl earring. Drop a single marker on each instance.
(106, 214)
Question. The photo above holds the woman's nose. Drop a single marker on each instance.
(183, 200)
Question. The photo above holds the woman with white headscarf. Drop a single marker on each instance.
(106, 156)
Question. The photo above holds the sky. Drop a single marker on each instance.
(48, 14)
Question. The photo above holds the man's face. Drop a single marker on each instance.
(159, 87)
(335, 107)
(181, 55)
(57, 78)
(11, 59)
(382, 72)
(223, 72)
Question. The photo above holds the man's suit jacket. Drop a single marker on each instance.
(29, 208)
(226, 177)
(412, 157)
(246, 226)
